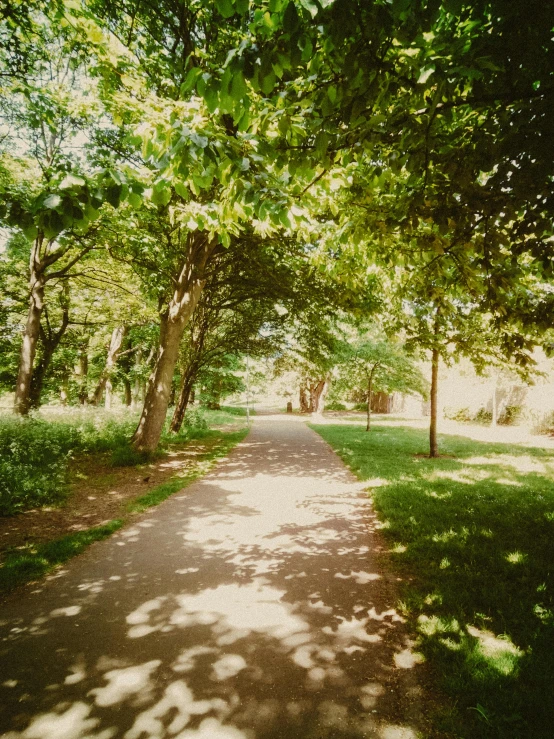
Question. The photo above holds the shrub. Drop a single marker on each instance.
(510, 415)
(335, 405)
(34, 455)
(483, 416)
(458, 414)
(127, 456)
(543, 424)
(33, 463)
(195, 419)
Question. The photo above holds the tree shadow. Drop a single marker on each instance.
(246, 607)
(473, 535)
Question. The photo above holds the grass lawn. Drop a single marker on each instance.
(472, 536)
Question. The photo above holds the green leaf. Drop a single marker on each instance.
(225, 7)
(112, 195)
(238, 87)
(190, 80)
(134, 199)
(290, 18)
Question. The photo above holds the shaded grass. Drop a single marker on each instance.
(224, 442)
(473, 538)
(36, 560)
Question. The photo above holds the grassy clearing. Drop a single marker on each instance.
(473, 538)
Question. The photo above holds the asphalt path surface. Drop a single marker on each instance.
(248, 606)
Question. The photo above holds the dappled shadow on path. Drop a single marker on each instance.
(247, 607)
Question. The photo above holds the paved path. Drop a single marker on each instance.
(246, 607)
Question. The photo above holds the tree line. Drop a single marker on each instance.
(183, 183)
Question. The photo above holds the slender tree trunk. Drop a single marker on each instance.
(31, 334)
(303, 400)
(433, 445)
(369, 383)
(494, 419)
(183, 401)
(128, 397)
(83, 374)
(64, 389)
(172, 326)
(104, 383)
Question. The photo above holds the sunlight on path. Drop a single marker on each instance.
(249, 606)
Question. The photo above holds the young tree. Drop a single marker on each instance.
(379, 365)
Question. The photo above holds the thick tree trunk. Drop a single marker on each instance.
(433, 446)
(173, 321)
(31, 334)
(182, 403)
(149, 430)
(50, 341)
(104, 383)
(318, 392)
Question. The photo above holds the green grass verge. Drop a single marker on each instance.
(473, 538)
(36, 560)
(224, 442)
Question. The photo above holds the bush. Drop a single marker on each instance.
(127, 456)
(510, 415)
(195, 419)
(34, 455)
(33, 463)
(360, 407)
(335, 405)
(459, 414)
(543, 424)
(483, 416)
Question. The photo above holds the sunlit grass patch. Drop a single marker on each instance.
(472, 534)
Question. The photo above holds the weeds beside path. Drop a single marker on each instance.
(102, 500)
(472, 536)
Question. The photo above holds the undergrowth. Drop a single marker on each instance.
(35, 560)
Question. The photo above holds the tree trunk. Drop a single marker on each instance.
(149, 430)
(182, 403)
(104, 383)
(64, 389)
(128, 397)
(368, 423)
(303, 399)
(83, 373)
(22, 403)
(494, 419)
(433, 446)
(318, 391)
(172, 326)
